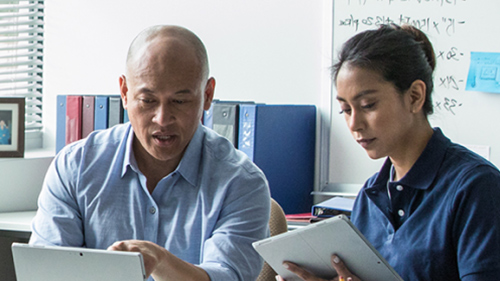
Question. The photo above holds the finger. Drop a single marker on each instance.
(279, 278)
(340, 267)
(300, 272)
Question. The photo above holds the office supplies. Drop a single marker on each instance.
(60, 122)
(75, 264)
(73, 118)
(88, 111)
(312, 247)
(101, 112)
(281, 140)
(333, 207)
(115, 111)
(225, 120)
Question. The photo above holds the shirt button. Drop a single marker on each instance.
(399, 188)
(401, 213)
(152, 210)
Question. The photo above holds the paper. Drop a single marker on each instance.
(484, 72)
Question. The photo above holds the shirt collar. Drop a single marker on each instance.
(425, 170)
(190, 162)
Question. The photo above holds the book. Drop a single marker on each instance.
(73, 118)
(281, 140)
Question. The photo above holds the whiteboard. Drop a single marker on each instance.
(456, 28)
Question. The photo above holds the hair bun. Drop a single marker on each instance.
(420, 37)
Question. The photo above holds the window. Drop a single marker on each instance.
(21, 58)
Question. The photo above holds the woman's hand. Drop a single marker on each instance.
(343, 272)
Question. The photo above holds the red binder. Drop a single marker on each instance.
(73, 118)
(88, 115)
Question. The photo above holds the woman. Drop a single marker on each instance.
(433, 210)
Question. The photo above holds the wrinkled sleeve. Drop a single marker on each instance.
(244, 218)
(58, 220)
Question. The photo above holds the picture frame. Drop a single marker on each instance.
(12, 111)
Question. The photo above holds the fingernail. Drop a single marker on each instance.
(336, 259)
(285, 265)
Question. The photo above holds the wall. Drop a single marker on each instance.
(267, 51)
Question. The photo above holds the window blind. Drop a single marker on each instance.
(21, 56)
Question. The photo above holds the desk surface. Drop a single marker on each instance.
(17, 221)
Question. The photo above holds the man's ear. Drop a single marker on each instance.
(417, 94)
(208, 95)
(123, 90)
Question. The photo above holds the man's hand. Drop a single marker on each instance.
(343, 272)
(160, 263)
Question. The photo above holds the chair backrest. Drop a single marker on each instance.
(277, 225)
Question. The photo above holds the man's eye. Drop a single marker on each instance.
(346, 111)
(146, 100)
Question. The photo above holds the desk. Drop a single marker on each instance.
(14, 227)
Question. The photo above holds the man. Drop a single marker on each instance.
(163, 185)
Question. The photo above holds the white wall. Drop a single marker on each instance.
(274, 51)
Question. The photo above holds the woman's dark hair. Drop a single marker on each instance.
(401, 54)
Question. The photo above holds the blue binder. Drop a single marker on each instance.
(281, 140)
(60, 123)
(101, 112)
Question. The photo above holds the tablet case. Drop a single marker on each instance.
(312, 247)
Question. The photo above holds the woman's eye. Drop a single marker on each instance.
(368, 106)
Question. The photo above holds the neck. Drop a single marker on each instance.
(414, 146)
(153, 169)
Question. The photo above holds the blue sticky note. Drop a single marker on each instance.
(484, 72)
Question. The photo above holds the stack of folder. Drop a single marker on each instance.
(279, 139)
(78, 115)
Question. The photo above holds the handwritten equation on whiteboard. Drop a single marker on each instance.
(449, 81)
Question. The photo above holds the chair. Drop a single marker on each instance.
(277, 225)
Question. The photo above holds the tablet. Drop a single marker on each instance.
(77, 264)
(312, 246)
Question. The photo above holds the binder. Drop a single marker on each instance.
(73, 118)
(125, 116)
(281, 140)
(225, 120)
(333, 207)
(60, 122)
(115, 111)
(101, 112)
(88, 110)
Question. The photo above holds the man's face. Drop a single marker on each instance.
(165, 93)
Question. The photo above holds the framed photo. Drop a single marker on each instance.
(12, 127)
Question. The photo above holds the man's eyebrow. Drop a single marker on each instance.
(359, 95)
(183, 91)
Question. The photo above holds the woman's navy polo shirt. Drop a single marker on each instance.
(443, 219)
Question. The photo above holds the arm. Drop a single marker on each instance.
(58, 220)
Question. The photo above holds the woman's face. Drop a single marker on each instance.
(378, 116)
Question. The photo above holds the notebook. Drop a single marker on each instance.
(312, 247)
(33, 263)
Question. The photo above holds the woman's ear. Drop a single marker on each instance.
(417, 95)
